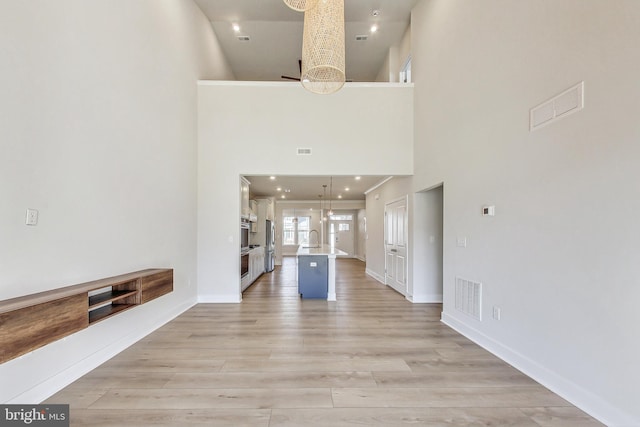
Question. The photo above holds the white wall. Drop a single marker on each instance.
(561, 256)
(377, 198)
(255, 128)
(396, 59)
(98, 118)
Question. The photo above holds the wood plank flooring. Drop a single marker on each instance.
(369, 359)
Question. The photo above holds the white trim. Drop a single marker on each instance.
(54, 384)
(579, 397)
(361, 258)
(375, 276)
(219, 299)
(387, 179)
(425, 299)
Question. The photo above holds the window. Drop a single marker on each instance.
(341, 217)
(343, 227)
(295, 230)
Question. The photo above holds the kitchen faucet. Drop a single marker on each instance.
(310, 240)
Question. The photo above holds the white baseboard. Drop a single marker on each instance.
(332, 297)
(375, 276)
(425, 299)
(581, 398)
(219, 299)
(361, 258)
(54, 384)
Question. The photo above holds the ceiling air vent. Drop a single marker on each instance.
(244, 38)
(304, 151)
(362, 38)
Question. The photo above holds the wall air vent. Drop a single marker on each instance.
(362, 38)
(568, 102)
(244, 38)
(304, 151)
(469, 297)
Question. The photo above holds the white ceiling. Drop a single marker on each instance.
(310, 187)
(276, 36)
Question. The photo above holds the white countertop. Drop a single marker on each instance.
(321, 250)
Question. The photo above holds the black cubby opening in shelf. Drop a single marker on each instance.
(109, 296)
(101, 313)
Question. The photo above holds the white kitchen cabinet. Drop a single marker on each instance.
(264, 211)
(256, 267)
(245, 208)
(270, 210)
(256, 263)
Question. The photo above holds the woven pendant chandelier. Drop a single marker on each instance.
(301, 5)
(323, 69)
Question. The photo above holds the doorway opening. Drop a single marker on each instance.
(341, 232)
(428, 242)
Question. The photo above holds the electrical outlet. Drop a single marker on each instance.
(32, 217)
(497, 312)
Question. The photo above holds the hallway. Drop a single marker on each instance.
(371, 358)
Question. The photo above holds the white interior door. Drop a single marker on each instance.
(395, 245)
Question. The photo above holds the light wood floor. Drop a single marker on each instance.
(371, 358)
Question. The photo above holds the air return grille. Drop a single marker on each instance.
(568, 102)
(469, 297)
(304, 151)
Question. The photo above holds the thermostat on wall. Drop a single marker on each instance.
(488, 211)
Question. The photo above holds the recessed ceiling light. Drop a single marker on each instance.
(339, 196)
(346, 189)
(279, 189)
(236, 27)
(287, 190)
(283, 197)
(374, 28)
(272, 178)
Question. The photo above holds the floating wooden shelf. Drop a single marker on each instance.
(33, 321)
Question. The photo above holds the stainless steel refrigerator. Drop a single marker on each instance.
(269, 247)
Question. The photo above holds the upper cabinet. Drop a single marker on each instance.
(271, 210)
(245, 209)
(266, 209)
(253, 213)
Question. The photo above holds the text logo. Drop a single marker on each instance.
(34, 415)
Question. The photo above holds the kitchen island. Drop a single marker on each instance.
(317, 271)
